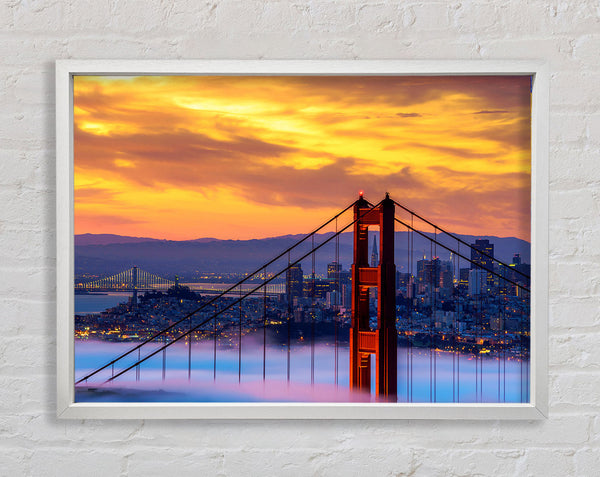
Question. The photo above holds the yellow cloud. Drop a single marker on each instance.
(224, 151)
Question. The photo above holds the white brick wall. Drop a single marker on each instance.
(36, 33)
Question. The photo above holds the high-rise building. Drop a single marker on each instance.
(294, 283)
(435, 276)
(486, 261)
(404, 284)
(446, 274)
(482, 246)
(519, 266)
(333, 269)
(333, 299)
(425, 276)
(477, 281)
(428, 272)
(346, 288)
(374, 254)
(320, 290)
(463, 281)
(401, 279)
(333, 275)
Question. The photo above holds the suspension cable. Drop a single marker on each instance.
(236, 301)
(462, 256)
(214, 299)
(455, 237)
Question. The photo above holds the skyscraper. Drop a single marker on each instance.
(477, 281)
(294, 283)
(374, 254)
(346, 288)
(519, 266)
(463, 282)
(446, 275)
(516, 259)
(428, 275)
(404, 284)
(482, 246)
(317, 288)
(333, 270)
(478, 248)
(333, 275)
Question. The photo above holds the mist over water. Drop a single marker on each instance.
(436, 376)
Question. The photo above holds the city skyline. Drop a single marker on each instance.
(251, 157)
(448, 322)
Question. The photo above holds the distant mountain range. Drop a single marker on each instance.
(108, 239)
(104, 254)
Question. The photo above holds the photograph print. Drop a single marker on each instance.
(302, 239)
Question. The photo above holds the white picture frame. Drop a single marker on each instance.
(68, 408)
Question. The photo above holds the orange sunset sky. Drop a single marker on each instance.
(184, 157)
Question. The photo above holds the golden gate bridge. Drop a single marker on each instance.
(371, 345)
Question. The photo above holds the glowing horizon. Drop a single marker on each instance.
(186, 157)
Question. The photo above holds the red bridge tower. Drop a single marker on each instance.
(381, 342)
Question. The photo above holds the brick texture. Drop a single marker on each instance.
(34, 34)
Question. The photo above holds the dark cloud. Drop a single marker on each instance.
(448, 206)
(495, 92)
(180, 158)
(322, 187)
(83, 217)
(91, 193)
(513, 135)
(484, 195)
(195, 162)
(200, 149)
(453, 151)
(491, 181)
(485, 111)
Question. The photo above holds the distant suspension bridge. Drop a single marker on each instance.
(130, 279)
(136, 279)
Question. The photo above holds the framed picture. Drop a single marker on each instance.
(302, 239)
